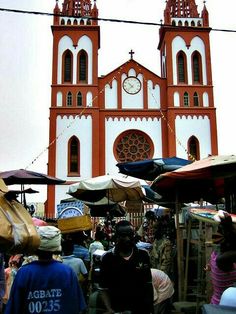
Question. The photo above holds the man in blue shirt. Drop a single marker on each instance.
(46, 285)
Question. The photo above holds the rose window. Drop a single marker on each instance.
(133, 146)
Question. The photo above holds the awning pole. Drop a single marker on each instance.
(179, 250)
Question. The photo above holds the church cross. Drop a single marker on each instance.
(131, 54)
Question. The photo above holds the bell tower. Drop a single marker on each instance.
(186, 65)
(74, 91)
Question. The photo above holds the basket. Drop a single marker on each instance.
(74, 224)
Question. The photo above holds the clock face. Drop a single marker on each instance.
(70, 212)
(132, 85)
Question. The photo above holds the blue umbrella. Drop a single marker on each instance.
(149, 169)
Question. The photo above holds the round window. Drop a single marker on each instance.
(133, 145)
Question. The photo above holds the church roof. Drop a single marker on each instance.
(131, 63)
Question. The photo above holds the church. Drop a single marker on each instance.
(131, 113)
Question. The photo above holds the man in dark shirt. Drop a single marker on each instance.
(125, 275)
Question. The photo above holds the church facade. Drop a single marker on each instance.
(131, 113)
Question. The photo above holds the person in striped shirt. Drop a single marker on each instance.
(223, 260)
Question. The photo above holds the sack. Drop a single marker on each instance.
(17, 231)
(74, 224)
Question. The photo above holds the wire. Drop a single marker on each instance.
(106, 20)
(113, 20)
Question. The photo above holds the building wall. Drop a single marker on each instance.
(198, 126)
(196, 44)
(152, 127)
(85, 138)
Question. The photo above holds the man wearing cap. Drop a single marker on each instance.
(46, 285)
(125, 275)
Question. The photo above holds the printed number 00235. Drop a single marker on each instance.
(44, 306)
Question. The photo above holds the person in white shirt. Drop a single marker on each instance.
(163, 291)
(96, 245)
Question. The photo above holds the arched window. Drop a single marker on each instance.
(186, 99)
(79, 99)
(195, 99)
(193, 147)
(69, 99)
(83, 64)
(196, 67)
(73, 156)
(181, 68)
(67, 66)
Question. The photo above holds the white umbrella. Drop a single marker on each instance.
(116, 188)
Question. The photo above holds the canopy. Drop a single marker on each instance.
(116, 188)
(22, 176)
(209, 178)
(149, 169)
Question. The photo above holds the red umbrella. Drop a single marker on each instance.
(210, 178)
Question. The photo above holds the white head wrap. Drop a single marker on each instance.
(50, 238)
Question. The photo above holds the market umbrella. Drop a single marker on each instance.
(210, 179)
(23, 176)
(149, 169)
(116, 188)
(100, 208)
(12, 194)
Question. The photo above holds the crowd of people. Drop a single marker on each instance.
(136, 269)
